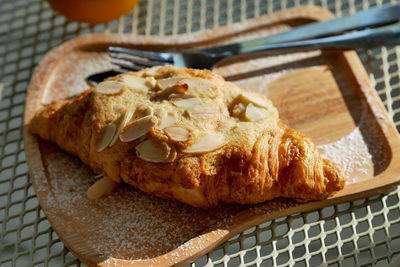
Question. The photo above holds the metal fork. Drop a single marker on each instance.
(132, 59)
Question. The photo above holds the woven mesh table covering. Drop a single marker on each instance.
(361, 233)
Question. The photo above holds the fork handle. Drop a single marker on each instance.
(382, 36)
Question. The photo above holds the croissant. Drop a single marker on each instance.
(187, 135)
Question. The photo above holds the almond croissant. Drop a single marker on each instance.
(190, 136)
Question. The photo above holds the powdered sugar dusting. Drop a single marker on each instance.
(360, 152)
(128, 224)
(264, 70)
(71, 75)
(350, 152)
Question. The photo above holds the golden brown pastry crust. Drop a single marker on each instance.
(259, 160)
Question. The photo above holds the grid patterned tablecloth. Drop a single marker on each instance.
(363, 232)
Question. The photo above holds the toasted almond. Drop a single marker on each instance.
(99, 176)
(109, 87)
(150, 71)
(200, 87)
(123, 119)
(174, 96)
(177, 133)
(138, 128)
(185, 103)
(238, 109)
(258, 100)
(207, 110)
(136, 83)
(152, 151)
(172, 155)
(107, 136)
(196, 83)
(165, 120)
(163, 84)
(164, 94)
(149, 111)
(142, 110)
(181, 88)
(151, 82)
(128, 117)
(254, 113)
(207, 143)
(102, 187)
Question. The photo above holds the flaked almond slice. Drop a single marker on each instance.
(255, 99)
(123, 119)
(207, 143)
(163, 84)
(148, 111)
(99, 176)
(177, 133)
(165, 120)
(254, 113)
(207, 110)
(138, 128)
(107, 136)
(128, 116)
(152, 151)
(238, 109)
(136, 83)
(109, 87)
(164, 94)
(142, 110)
(151, 71)
(151, 82)
(172, 155)
(200, 87)
(198, 83)
(185, 103)
(174, 96)
(102, 187)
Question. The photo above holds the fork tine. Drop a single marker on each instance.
(137, 61)
(128, 67)
(140, 53)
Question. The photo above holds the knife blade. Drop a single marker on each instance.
(376, 16)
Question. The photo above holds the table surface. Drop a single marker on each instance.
(363, 233)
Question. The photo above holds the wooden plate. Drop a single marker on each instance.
(327, 95)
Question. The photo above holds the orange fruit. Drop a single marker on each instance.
(92, 11)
